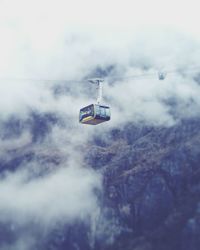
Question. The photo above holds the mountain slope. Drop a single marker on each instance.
(152, 184)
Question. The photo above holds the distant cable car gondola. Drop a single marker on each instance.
(95, 113)
(162, 75)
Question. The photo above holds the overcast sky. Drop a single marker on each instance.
(109, 14)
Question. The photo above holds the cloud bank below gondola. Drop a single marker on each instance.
(62, 196)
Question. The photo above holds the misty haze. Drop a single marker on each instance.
(131, 182)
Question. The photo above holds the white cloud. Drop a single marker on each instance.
(141, 97)
(68, 40)
(63, 195)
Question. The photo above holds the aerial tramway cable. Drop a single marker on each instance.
(97, 113)
(161, 75)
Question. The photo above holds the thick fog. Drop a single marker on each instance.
(47, 52)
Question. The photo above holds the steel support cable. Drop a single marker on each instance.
(112, 77)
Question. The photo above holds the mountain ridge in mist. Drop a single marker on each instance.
(150, 195)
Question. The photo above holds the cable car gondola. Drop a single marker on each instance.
(162, 75)
(95, 113)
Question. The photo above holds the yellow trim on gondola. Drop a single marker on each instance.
(87, 119)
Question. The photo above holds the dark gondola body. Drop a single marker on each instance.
(94, 114)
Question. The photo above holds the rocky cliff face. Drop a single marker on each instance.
(151, 188)
(152, 185)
